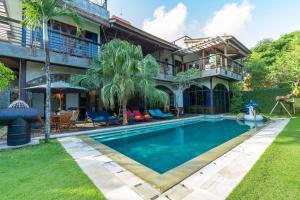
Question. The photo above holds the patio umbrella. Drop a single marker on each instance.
(57, 87)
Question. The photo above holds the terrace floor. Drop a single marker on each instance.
(214, 181)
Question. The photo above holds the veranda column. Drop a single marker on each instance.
(225, 59)
(22, 79)
(211, 96)
(179, 99)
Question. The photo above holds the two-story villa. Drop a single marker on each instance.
(219, 58)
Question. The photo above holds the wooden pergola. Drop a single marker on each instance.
(227, 44)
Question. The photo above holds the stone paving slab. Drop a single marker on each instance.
(213, 182)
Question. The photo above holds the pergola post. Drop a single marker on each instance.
(203, 59)
(182, 64)
(225, 59)
(22, 79)
(211, 97)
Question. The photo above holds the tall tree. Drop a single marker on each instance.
(6, 76)
(270, 57)
(184, 80)
(286, 70)
(36, 15)
(124, 73)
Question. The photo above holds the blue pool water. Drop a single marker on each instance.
(162, 148)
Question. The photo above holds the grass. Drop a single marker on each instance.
(276, 175)
(43, 172)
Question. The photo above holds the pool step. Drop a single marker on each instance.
(137, 131)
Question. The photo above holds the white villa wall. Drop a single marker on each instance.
(38, 102)
(217, 80)
(72, 100)
(35, 70)
(14, 9)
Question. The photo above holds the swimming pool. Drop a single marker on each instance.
(164, 147)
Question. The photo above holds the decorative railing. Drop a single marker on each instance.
(166, 71)
(216, 61)
(11, 31)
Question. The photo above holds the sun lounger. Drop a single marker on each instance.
(157, 115)
(138, 116)
(95, 118)
(109, 119)
(166, 115)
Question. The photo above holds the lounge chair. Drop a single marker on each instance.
(109, 119)
(156, 115)
(95, 118)
(65, 120)
(147, 116)
(138, 116)
(163, 115)
(74, 118)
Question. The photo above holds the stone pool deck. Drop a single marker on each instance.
(215, 181)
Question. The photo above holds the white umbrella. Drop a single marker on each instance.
(57, 87)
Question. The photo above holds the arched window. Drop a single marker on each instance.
(170, 93)
(221, 99)
(196, 100)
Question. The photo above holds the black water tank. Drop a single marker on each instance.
(19, 124)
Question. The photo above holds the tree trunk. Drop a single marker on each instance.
(48, 83)
(124, 107)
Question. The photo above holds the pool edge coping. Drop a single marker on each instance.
(169, 179)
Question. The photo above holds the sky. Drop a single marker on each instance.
(248, 20)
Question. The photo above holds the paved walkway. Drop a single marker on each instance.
(215, 181)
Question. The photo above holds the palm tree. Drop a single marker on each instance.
(124, 73)
(36, 15)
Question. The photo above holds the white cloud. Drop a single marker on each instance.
(231, 19)
(169, 25)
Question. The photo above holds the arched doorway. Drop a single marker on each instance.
(170, 93)
(196, 100)
(221, 99)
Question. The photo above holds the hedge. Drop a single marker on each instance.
(266, 99)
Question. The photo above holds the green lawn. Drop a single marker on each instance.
(277, 173)
(42, 172)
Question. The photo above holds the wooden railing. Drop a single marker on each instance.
(216, 61)
(166, 70)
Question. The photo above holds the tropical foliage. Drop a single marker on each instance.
(124, 73)
(6, 75)
(184, 80)
(238, 97)
(187, 78)
(36, 15)
(275, 63)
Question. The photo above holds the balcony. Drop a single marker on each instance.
(214, 65)
(218, 65)
(166, 71)
(95, 7)
(15, 41)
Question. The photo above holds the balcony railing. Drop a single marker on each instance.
(166, 71)
(214, 62)
(95, 7)
(12, 32)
